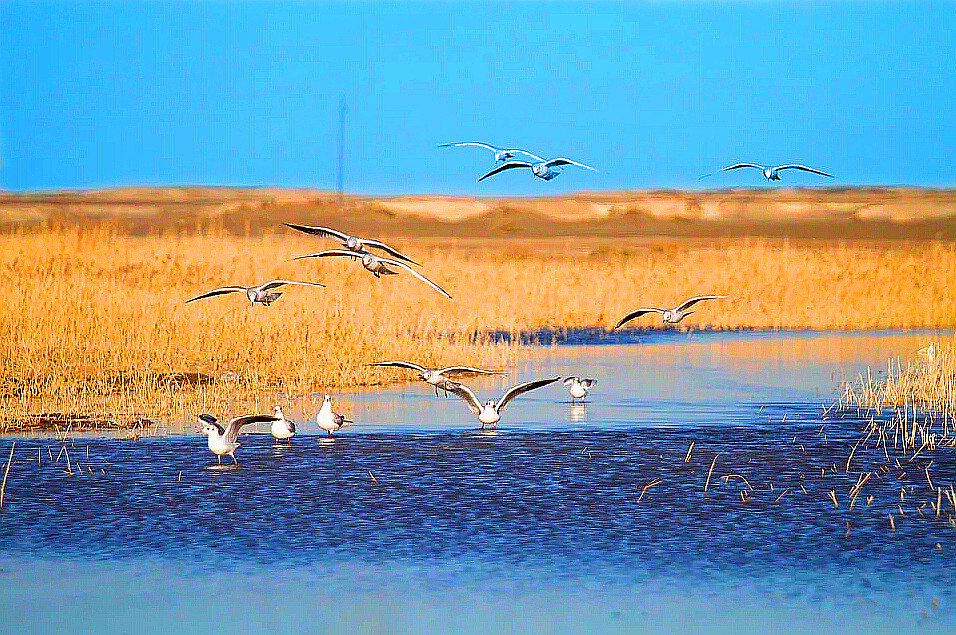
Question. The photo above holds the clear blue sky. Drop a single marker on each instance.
(653, 94)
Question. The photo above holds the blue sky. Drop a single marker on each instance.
(653, 94)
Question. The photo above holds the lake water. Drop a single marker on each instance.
(413, 520)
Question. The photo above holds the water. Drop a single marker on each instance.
(413, 520)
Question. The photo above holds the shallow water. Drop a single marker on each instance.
(414, 520)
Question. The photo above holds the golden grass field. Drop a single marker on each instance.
(96, 325)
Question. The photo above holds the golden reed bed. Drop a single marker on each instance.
(95, 323)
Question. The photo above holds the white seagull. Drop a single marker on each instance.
(357, 246)
(436, 377)
(501, 154)
(489, 413)
(378, 266)
(261, 294)
(282, 429)
(670, 316)
(578, 387)
(329, 420)
(222, 440)
(543, 169)
(770, 173)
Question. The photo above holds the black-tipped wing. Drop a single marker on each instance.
(331, 252)
(635, 314)
(521, 389)
(389, 250)
(553, 163)
(207, 418)
(689, 303)
(801, 167)
(434, 286)
(588, 382)
(219, 291)
(506, 166)
(567, 381)
(467, 369)
(275, 284)
(477, 144)
(464, 392)
(319, 231)
(742, 165)
(408, 365)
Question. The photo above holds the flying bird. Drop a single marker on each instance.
(670, 316)
(501, 154)
(260, 294)
(222, 439)
(357, 246)
(770, 173)
(435, 377)
(378, 266)
(578, 387)
(542, 169)
(489, 413)
(329, 420)
(282, 429)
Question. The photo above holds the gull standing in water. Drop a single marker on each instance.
(489, 413)
(770, 173)
(282, 429)
(670, 316)
(578, 387)
(543, 169)
(436, 377)
(501, 154)
(378, 266)
(357, 246)
(329, 420)
(261, 294)
(222, 439)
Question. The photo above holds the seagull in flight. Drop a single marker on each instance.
(261, 294)
(377, 265)
(282, 429)
(670, 316)
(222, 439)
(357, 246)
(489, 413)
(770, 173)
(436, 377)
(541, 168)
(501, 154)
(328, 419)
(578, 387)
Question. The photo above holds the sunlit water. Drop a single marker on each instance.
(414, 520)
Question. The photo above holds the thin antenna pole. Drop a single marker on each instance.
(340, 181)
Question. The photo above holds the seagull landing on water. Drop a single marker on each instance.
(222, 439)
(770, 173)
(501, 154)
(541, 168)
(378, 266)
(329, 420)
(357, 246)
(282, 429)
(489, 413)
(578, 387)
(436, 377)
(262, 294)
(670, 316)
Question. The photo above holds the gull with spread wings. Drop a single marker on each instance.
(222, 439)
(501, 154)
(489, 413)
(770, 172)
(262, 294)
(378, 266)
(541, 168)
(433, 376)
(358, 246)
(670, 316)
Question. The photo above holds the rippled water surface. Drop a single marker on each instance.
(568, 518)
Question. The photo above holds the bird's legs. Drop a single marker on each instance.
(330, 434)
(234, 460)
(219, 456)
